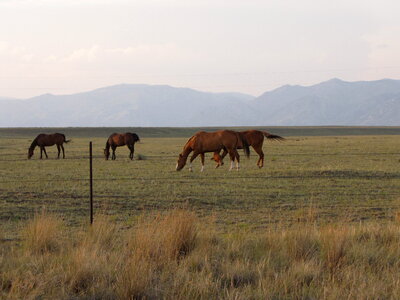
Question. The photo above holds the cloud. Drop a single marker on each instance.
(83, 55)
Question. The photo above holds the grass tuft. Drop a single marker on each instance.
(141, 157)
(43, 233)
(173, 256)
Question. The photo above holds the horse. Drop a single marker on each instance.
(44, 140)
(203, 142)
(255, 138)
(121, 139)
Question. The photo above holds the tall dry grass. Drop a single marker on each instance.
(177, 256)
(43, 233)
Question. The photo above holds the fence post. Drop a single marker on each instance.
(91, 182)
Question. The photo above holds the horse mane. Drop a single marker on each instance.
(189, 140)
(34, 143)
(187, 143)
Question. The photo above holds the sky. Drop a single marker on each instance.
(252, 46)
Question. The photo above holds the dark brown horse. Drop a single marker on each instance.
(255, 138)
(121, 139)
(44, 140)
(203, 142)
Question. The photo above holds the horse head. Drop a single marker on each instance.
(218, 159)
(106, 153)
(30, 153)
(135, 137)
(181, 162)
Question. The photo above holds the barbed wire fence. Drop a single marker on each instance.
(90, 179)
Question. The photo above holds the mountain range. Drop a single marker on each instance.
(333, 102)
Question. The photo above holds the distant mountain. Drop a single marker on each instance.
(129, 105)
(334, 102)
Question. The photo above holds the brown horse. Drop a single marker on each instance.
(44, 140)
(203, 142)
(121, 139)
(255, 138)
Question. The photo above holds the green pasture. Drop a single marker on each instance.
(346, 178)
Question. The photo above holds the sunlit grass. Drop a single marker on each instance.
(178, 255)
(349, 177)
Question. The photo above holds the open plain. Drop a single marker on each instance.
(347, 177)
(320, 220)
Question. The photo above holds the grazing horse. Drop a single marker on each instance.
(44, 140)
(255, 138)
(203, 142)
(121, 139)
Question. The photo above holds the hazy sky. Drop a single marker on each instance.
(249, 46)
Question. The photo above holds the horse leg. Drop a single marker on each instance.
(62, 147)
(44, 149)
(194, 155)
(202, 162)
(232, 157)
(237, 159)
(41, 152)
(58, 148)
(132, 149)
(260, 162)
(113, 157)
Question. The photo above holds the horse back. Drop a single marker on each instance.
(116, 139)
(50, 139)
(253, 137)
(214, 141)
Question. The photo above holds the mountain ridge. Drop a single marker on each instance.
(334, 102)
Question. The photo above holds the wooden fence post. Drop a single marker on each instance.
(91, 182)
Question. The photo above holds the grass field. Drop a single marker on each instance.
(319, 221)
(351, 178)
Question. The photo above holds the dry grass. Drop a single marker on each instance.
(165, 238)
(175, 256)
(42, 234)
(155, 246)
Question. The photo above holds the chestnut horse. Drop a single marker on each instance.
(255, 138)
(44, 140)
(203, 142)
(120, 139)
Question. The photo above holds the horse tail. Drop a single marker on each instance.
(273, 137)
(65, 139)
(246, 146)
